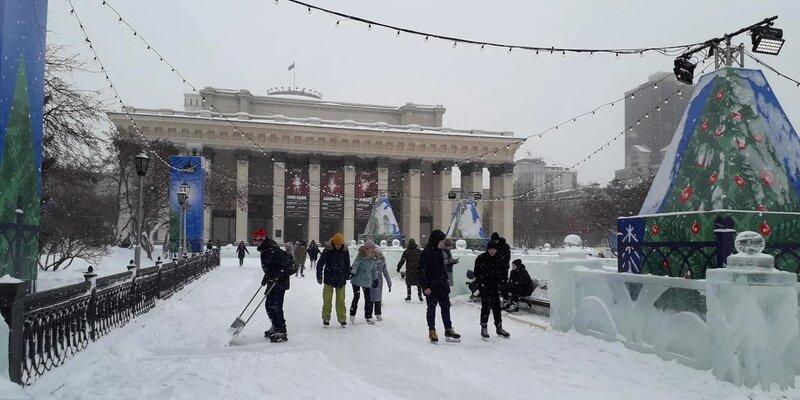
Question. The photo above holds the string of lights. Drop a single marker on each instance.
(263, 151)
(771, 68)
(509, 47)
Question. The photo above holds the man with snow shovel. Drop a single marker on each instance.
(278, 266)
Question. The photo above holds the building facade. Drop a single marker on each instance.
(318, 163)
(534, 173)
(653, 128)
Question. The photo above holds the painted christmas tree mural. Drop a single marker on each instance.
(729, 162)
(382, 224)
(18, 171)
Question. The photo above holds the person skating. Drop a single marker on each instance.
(313, 254)
(363, 273)
(503, 249)
(491, 274)
(410, 259)
(519, 285)
(435, 287)
(241, 250)
(288, 247)
(300, 253)
(278, 267)
(376, 291)
(333, 269)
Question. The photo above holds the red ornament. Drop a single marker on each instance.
(739, 180)
(758, 138)
(704, 126)
(741, 144)
(695, 227)
(686, 194)
(720, 130)
(720, 95)
(765, 229)
(713, 178)
(655, 230)
(767, 178)
(761, 207)
(665, 263)
(736, 116)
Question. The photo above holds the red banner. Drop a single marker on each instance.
(331, 193)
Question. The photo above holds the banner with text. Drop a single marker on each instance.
(296, 190)
(331, 194)
(366, 188)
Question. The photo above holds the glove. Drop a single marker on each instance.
(390, 289)
(264, 280)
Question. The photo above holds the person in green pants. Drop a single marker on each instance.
(333, 270)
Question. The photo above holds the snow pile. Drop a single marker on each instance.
(115, 262)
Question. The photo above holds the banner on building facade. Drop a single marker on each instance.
(22, 30)
(188, 171)
(296, 192)
(366, 189)
(331, 194)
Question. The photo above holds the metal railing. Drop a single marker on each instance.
(50, 326)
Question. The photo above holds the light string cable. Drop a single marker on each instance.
(773, 69)
(483, 44)
(536, 189)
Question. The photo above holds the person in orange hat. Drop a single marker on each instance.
(333, 269)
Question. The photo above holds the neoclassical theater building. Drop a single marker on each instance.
(323, 160)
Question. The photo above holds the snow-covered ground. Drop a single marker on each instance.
(178, 351)
(115, 262)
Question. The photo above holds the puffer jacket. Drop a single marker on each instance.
(334, 266)
(432, 271)
(364, 271)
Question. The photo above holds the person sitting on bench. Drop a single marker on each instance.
(519, 284)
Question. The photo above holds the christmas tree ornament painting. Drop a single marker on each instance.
(733, 165)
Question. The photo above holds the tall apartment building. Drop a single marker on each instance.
(653, 128)
(535, 173)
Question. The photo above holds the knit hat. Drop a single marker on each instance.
(337, 240)
(491, 245)
(517, 262)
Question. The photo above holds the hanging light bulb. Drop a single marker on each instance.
(455, 44)
(563, 53)
(369, 27)
(655, 86)
(483, 46)
(398, 33)
(426, 39)
(633, 95)
(309, 10)
(337, 23)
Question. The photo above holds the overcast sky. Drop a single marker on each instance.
(248, 44)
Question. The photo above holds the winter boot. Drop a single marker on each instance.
(379, 317)
(325, 322)
(352, 319)
(421, 299)
(278, 337)
(269, 332)
(433, 337)
(408, 299)
(370, 321)
(484, 331)
(502, 332)
(344, 323)
(451, 335)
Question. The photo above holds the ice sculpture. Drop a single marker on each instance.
(383, 243)
(752, 314)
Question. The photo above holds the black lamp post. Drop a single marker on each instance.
(142, 162)
(183, 200)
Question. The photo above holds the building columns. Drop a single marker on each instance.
(442, 185)
(313, 199)
(242, 180)
(349, 203)
(382, 166)
(208, 154)
(494, 220)
(411, 200)
(278, 195)
(501, 187)
(508, 203)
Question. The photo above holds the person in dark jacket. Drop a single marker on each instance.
(410, 259)
(519, 285)
(313, 254)
(491, 274)
(435, 286)
(241, 250)
(333, 269)
(300, 253)
(277, 266)
(503, 249)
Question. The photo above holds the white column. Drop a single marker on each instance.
(411, 201)
(442, 205)
(508, 203)
(278, 193)
(313, 200)
(349, 204)
(242, 178)
(383, 177)
(495, 213)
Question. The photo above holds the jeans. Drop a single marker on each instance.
(377, 306)
(490, 302)
(327, 294)
(443, 300)
(408, 290)
(367, 302)
(274, 306)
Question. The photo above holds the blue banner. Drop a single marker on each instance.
(630, 257)
(187, 170)
(22, 47)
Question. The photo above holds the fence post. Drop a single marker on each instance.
(12, 307)
(724, 234)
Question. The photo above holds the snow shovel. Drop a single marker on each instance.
(238, 324)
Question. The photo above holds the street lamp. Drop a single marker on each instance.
(142, 162)
(183, 197)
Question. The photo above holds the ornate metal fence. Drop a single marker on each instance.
(50, 326)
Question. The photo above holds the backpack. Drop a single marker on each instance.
(288, 263)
